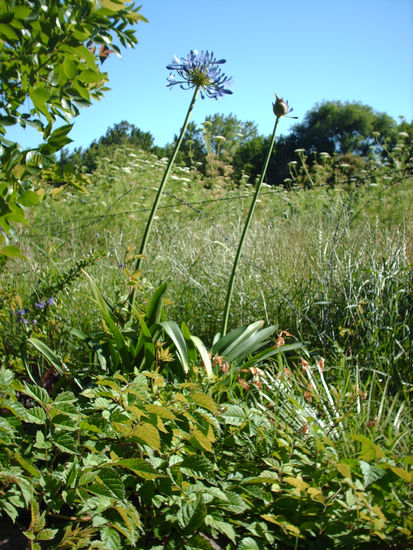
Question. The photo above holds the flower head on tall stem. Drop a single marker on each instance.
(280, 109)
(200, 70)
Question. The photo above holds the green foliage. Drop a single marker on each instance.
(135, 462)
(49, 55)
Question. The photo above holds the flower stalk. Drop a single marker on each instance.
(165, 177)
(280, 109)
(202, 72)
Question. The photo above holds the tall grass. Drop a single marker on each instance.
(333, 267)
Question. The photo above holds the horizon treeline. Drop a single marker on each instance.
(227, 148)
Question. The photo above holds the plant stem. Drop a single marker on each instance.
(244, 232)
(159, 193)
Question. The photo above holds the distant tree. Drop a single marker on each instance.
(235, 132)
(336, 127)
(124, 132)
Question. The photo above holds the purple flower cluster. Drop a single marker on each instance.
(21, 313)
(200, 70)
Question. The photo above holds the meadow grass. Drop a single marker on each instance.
(330, 266)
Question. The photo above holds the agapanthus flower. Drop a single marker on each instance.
(200, 70)
(281, 107)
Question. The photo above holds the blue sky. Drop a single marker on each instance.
(305, 51)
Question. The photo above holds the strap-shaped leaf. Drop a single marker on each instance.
(174, 332)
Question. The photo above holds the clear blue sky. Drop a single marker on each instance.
(306, 51)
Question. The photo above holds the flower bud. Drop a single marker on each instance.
(280, 107)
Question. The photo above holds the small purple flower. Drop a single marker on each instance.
(200, 70)
(50, 301)
(40, 305)
(121, 265)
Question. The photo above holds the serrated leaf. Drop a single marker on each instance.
(370, 473)
(198, 466)
(37, 393)
(235, 503)
(36, 415)
(234, 415)
(65, 443)
(139, 467)
(112, 481)
(192, 514)
(149, 434)
(204, 401)
(163, 412)
(110, 539)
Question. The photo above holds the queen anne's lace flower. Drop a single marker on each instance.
(200, 70)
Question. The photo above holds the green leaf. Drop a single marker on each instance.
(148, 434)
(203, 352)
(192, 515)
(370, 473)
(12, 252)
(37, 393)
(29, 198)
(197, 466)
(204, 401)
(36, 415)
(70, 68)
(163, 412)
(7, 33)
(112, 481)
(65, 442)
(110, 539)
(139, 467)
(50, 355)
(175, 334)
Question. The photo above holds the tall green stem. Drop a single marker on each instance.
(244, 232)
(160, 191)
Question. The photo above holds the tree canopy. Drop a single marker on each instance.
(50, 65)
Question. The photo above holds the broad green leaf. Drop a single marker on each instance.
(370, 473)
(139, 467)
(198, 466)
(204, 401)
(248, 543)
(7, 32)
(234, 415)
(37, 393)
(65, 442)
(36, 415)
(110, 539)
(112, 481)
(344, 469)
(149, 434)
(192, 514)
(163, 412)
(29, 198)
(70, 68)
(12, 252)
